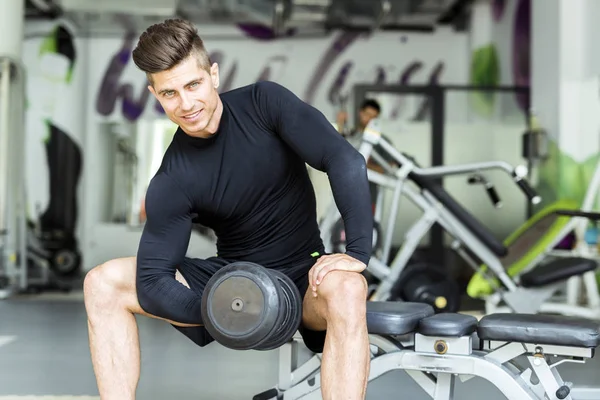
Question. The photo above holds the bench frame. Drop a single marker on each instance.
(466, 357)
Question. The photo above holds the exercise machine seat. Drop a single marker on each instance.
(448, 325)
(558, 330)
(395, 318)
(557, 271)
(538, 234)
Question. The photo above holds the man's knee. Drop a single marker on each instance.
(345, 293)
(109, 282)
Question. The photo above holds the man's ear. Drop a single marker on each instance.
(151, 89)
(214, 74)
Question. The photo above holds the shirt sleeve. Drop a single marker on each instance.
(306, 130)
(162, 248)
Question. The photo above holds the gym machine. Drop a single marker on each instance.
(28, 262)
(529, 292)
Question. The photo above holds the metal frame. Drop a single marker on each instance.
(515, 297)
(435, 96)
(13, 226)
(436, 373)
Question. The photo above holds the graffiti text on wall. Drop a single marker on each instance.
(133, 105)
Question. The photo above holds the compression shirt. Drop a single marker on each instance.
(249, 183)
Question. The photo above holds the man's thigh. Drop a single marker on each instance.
(313, 327)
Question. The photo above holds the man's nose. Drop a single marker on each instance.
(186, 102)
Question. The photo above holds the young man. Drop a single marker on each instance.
(369, 110)
(237, 165)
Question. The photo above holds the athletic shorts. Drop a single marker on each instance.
(197, 273)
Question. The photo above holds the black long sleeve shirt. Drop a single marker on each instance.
(249, 183)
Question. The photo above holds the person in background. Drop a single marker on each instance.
(369, 109)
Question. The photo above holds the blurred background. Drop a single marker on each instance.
(455, 81)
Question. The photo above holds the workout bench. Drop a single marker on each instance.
(435, 349)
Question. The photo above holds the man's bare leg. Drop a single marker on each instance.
(340, 307)
(111, 302)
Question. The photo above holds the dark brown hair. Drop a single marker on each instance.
(164, 45)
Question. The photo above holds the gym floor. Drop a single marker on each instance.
(44, 355)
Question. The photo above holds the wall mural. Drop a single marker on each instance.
(485, 68)
(115, 89)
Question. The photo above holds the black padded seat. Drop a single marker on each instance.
(557, 271)
(558, 330)
(395, 318)
(448, 325)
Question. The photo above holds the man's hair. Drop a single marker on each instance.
(370, 103)
(164, 45)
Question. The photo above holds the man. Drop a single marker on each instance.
(369, 110)
(237, 165)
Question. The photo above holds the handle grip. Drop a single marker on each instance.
(491, 191)
(528, 190)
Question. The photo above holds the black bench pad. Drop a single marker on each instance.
(448, 325)
(557, 271)
(556, 330)
(395, 318)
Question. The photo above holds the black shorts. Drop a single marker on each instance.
(197, 273)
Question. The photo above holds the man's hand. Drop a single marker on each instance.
(325, 264)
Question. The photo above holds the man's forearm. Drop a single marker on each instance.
(350, 186)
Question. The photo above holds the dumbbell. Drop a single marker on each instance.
(248, 307)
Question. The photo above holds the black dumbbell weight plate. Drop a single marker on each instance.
(240, 305)
(428, 283)
(290, 312)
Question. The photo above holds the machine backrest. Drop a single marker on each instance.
(470, 222)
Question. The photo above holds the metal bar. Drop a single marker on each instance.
(4, 142)
(437, 100)
(428, 89)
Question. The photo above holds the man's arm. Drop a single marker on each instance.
(162, 248)
(306, 130)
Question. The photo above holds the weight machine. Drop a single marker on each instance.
(25, 263)
(528, 292)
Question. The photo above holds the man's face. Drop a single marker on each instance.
(366, 115)
(188, 94)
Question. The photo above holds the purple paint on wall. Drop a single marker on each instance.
(434, 80)
(335, 95)
(405, 76)
(111, 89)
(341, 43)
(498, 7)
(521, 50)
(267, 72)
(262, 32)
